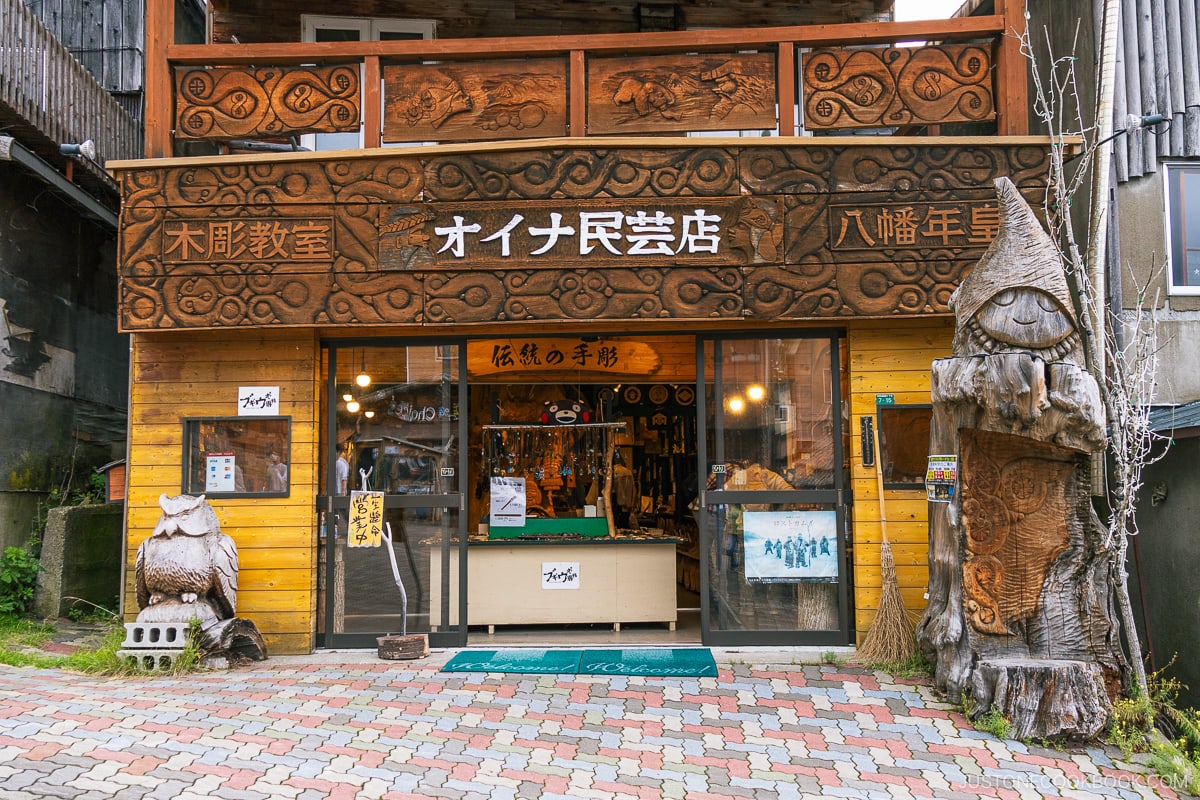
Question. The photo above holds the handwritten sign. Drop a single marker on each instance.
(560, 574)
(258, 401)
(366, 519)
(507, 506)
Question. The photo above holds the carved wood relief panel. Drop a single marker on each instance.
(1017, 495)
(716, 91)
(695, 234)
(244, 102)
(475, 101)
(885, 87)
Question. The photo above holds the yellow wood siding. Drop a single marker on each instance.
(889, 358)
(174, 376)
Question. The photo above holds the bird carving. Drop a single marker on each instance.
(187, 568)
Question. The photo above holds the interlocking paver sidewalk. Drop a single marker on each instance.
(364, 728)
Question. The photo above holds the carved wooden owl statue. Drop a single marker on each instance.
(187, 569)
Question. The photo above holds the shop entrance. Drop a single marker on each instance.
(391, 501)
(580, 489)
(774, 533)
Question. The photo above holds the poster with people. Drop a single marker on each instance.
(790, 546)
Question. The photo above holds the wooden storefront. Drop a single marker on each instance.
(383, 263)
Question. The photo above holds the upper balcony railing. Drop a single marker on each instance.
(48, 98)
(781, 81)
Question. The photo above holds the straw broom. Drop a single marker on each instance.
(891, 637)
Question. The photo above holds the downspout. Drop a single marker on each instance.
(1100, 184)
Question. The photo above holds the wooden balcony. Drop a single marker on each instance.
(48, 98)
(782, 81)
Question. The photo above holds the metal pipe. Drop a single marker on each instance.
(12, 150)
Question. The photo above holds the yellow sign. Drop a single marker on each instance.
(615, 357)
(366, 519)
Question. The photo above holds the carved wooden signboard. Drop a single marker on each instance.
(475, 101)
(679, 233)
(874, 87)
(717, 91)
(559, 358)
(244, 102)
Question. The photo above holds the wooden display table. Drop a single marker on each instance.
(624, 580)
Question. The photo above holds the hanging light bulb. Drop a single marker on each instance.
(756, 392)
(363, 379)
(736, 404)
(369, 414)
(352, 406)
(347, 397)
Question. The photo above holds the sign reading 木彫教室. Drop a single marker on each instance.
(609, 357)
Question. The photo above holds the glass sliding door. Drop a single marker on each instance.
(393, 465)
(772, 516)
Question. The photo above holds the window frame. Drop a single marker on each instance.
(189, 456)
(882, 465)
(1172, 171)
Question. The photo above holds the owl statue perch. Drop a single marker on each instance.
(187, 570)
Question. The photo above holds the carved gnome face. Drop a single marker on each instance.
(1016, 297)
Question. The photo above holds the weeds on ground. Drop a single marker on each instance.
(911, 667)
(832, 658)
(20, 639)
(1153, 723)
(993, 722)
(18, 577)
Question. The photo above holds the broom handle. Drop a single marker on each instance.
(879, 483)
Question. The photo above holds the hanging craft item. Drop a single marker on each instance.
(565, 412)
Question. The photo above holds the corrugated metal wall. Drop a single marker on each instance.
(1158, 73)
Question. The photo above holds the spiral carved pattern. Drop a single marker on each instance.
(243, 102)
(1014, 505)
(871, 88)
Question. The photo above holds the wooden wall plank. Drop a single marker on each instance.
(276, 593)
(876, 350)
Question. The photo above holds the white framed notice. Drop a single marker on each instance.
(220, 472)
(560, 574)
(507, 506)
(258, 401)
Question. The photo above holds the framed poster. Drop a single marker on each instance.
(790, 546)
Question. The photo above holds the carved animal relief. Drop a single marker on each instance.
(665, 93)
(482, 100)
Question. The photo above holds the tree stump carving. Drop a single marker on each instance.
(1020, 612)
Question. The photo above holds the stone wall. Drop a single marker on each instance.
(81, 558)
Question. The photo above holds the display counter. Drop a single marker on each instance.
(574, 581)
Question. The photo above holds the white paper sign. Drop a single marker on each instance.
(258, 401)
(560, 574)
(507, 506)
(220, 474)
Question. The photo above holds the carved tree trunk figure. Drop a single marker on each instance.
(1020, 612)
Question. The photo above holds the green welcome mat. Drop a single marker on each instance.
(682, 662)
(517, 659)
(679, 662)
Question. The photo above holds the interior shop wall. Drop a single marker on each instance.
(198, 375)
(888, 358)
